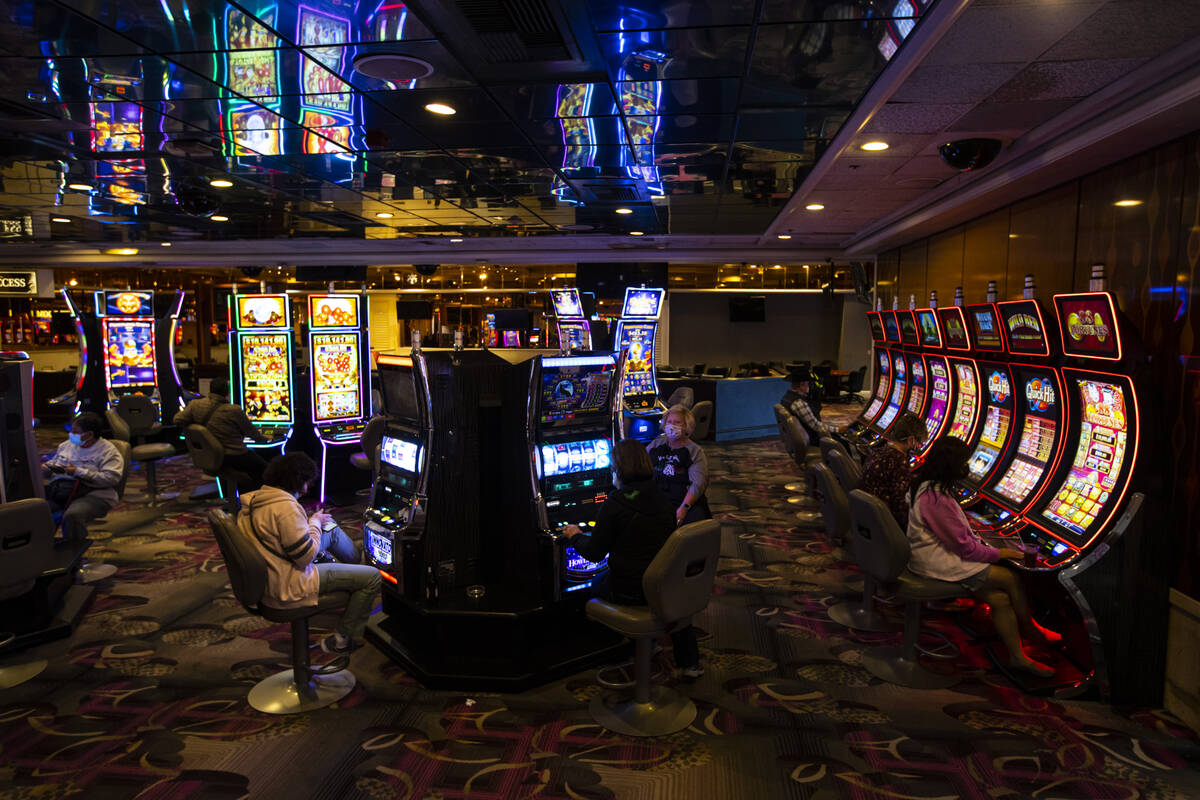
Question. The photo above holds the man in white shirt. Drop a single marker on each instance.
(84, 472)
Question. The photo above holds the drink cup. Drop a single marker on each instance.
(1031, 554)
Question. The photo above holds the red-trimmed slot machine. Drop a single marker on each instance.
(883, 376)
(938, 377)
(993, 436)
(918, 370)
(906, 335)
(964, 374)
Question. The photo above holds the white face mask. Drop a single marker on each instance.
(673, 430)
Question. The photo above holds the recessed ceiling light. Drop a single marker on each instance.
(384, 214)
(165, 244)
(59, 219)
(777, 266)
(80, 187)
(220, 183)
(814, 207)
(121, 251)
(873, 146)
(440, 108)
(1127, 203)
(636, 233)
(73, 282)
(483, 276)
(219, 218)
(455, 241)
(785, 236)
(624, 210)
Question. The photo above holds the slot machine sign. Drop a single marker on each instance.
(332, 311)
(129, 304)
(262, 311)
(1023, 327)
(336, 387)
(566, 303)
(266, 385)
(1087, 323)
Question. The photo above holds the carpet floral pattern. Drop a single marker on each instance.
(147, 699)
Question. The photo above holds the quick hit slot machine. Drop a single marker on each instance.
(339, 370)
(937, 376)
(573, 330)
(261, 368)
(641, 410)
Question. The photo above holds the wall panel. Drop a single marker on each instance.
(1042, 240)
(945, 270)
(985, 258)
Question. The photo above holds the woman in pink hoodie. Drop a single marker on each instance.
(288, 539)
(944, 547)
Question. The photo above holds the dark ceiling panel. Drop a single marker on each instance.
(698, 53)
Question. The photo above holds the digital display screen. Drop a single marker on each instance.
(256, 131)
(986, 327)
(324, 134)
(963, 421)
(1022, 322)
(642, 302)
(398, 387)
(266, 377)
(512, 338)
(916, 394)
(930, 335)
(908, 328)
(899, 384)
(129, 304)
(262, 310)
(337, 393)
(638, 387)
(252, 68)
(332, 311)
(939, 397)
(881, 385)
(566, 303)
(1088, 323)
(322, 63)
(116, 127)
(1103, 436)
(991, 442)
(574, 386)
(954, 328)
(1034, 451)
(876, 325)
(891, 329)
(565, 458)
(399, 453)
(129, 353)
(573, 336)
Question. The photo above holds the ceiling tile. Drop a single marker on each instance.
(1003, 34)
(915, 117)
(1054, 80)
(994, 117)
(958, 83)
(1130, 29)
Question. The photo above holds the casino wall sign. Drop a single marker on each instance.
(22, 282)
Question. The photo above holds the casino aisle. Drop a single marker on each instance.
(148, 697)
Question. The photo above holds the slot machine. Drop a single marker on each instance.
(339, 372)
(901, 378)
(261, 367)
(964, 375)
(996, 401)
(883, 377)
(918, 378)
(570, 434)
(641, 410)
(937, 377)
(574, 332)
(20, 462)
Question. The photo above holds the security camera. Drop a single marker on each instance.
(968, 154)
(425, 269)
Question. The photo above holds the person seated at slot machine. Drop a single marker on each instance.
(632, 526)
(680, 466)
(230, 426)
(289, 540)
(945, 548)
(798, 401)
(886, 473)
(84, 472)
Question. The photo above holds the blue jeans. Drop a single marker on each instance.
(359, 580)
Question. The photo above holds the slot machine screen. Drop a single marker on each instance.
(939, 398)
(985, 326)
(642, 302)
(566, 303)
(1092, 479)
(954, 328)
(262, 310)
(908, 328)
(1022, 320)
(116, 126)
(899, 383)
(638, 386)
(399, 453)
(266, 365)
(337, 393)
(1035, 448)
(876, 325)
(968, 394)
(916, 394)
(996, 425)
(129, 353)
(398, 386)
(512, 338)
(332, 311)
(881, 385)
(572, 335)
(400, 460)
(1088, 325)
(930, 335)
(573, 387)
(129, 304)
(564, 458)
(891, 328)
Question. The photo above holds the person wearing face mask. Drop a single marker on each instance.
(289, 541)
(945, 548)
(632, 526)
(886, 473)
(84, 472)
(680, 466)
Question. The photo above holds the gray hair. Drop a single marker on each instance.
(689, 419)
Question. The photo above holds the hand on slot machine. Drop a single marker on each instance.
(571, 531)
(1012, 553)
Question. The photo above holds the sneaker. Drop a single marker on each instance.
(329, 645)
(692, 672)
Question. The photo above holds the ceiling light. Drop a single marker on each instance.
(636, 233)
(1013, 235)
(165, 244)
(220, 183)
(1127, 203)
(80, 187)
(455, 241)
(219, 218)
(440, 108)
(59, 219)
(873, 146)
(814, 207)
(624, 210)
(483, 276)
(73, 282)
(785, 236)
(777, 266)
(384, 215)
(121, 251)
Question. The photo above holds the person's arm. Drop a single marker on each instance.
(107, 473)
(945, 519)
(58, 459)
(597, 544)
(184, 417)
(697, 476)
(299, 537)
(245, 426)
(806, 416)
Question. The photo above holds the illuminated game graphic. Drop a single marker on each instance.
(1036, 445)
(256, 131)
(322, 63)
(1023, 326)
(1088, 326)
(1098, 460)
(573, 335)
(578, 129)
(897, 398)
(876, 325)
(891, 329)
(881, 386)
(332, 311)
(572, 389)
(986, 327)
(566, 303)
(262, 311)
(336, 392)
(638, 339)
(116, 127)
(512, 338)
(939, 398)
(128, 353)
(908, 328)
(995, 426)
(266, 361)
(251, 74)
(964, 412)
(325, 134)
(954, 328)
(916, 397)
(399, 453)
(129, 304)
(568, 457)
(642, 303)
(930, 335)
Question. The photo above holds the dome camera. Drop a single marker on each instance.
(968, 154)
(425, 269)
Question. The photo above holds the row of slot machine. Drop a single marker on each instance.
(1049, 407)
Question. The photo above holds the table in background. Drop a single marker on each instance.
(742, 407)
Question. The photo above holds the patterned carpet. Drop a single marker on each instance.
(147, 698)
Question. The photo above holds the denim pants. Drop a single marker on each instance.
(359, 580)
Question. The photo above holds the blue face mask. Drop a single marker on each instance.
(75, 438)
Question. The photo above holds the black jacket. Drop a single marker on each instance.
(631, 527)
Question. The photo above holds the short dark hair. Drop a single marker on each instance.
(90, 422)
(908, 426)
(632, 462)
(219, 386)
(945, 462)
(290, 472)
